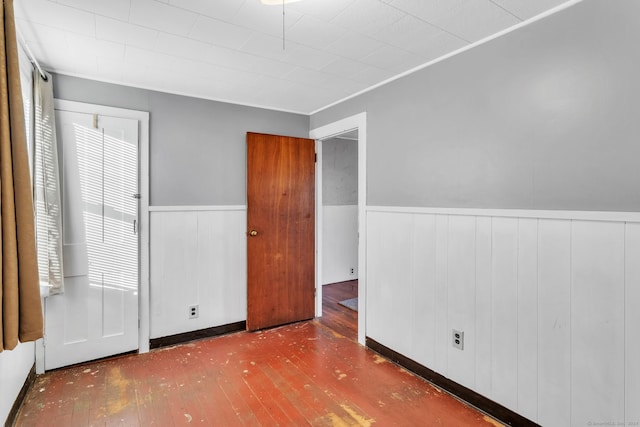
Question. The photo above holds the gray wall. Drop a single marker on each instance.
(339, 172)
(197, 147)
(545, 117)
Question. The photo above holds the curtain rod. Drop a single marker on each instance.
(30, 55)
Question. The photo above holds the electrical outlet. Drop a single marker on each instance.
(457, 339)
(352, 270)
(193, 311)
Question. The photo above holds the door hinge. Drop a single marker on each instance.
(315, 158)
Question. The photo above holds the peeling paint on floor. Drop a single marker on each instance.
(377, 359)
(359, 419)
(295, 375)
(492, 421)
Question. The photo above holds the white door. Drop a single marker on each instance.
(97, 315)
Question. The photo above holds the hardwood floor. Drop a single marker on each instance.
(308, 373)
(339, 318)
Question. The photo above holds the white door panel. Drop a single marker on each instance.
(97, 316)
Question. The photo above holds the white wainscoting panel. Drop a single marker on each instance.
(597, 322)
(549, 305)
(461, 277)
(14, 370)
(632, 322)
(527, 311)
(423, 307)
(483, 294)
(554, 322)
(504, 311)
(339, 243)
(443, 335)
(391, 275)
(198, 257)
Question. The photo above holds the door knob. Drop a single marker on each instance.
(253, 233)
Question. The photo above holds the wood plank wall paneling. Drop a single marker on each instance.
(549, 306)
(461, 276)
(554, 310)
(632, 322)
(597, 322)
(483, 297)
(504, 311)
(197, 257)
(442, 335)
(527, 309)
(423, 306)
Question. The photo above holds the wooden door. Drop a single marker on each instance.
(281, 230)
(97, 315)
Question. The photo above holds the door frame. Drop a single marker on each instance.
(143, 213)
(359, 122)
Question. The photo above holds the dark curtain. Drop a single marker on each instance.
(21, 311)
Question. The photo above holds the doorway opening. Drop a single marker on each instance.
(339, 162)
(341, 248)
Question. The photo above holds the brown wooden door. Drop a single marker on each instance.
(281, 230)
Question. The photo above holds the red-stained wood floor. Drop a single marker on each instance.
(308, 373)
(335, 316)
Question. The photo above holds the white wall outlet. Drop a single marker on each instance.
(457, 339)
(352, 271)
(193, 311)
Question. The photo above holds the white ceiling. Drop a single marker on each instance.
(232, 50)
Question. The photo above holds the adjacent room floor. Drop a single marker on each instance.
(308, 373)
